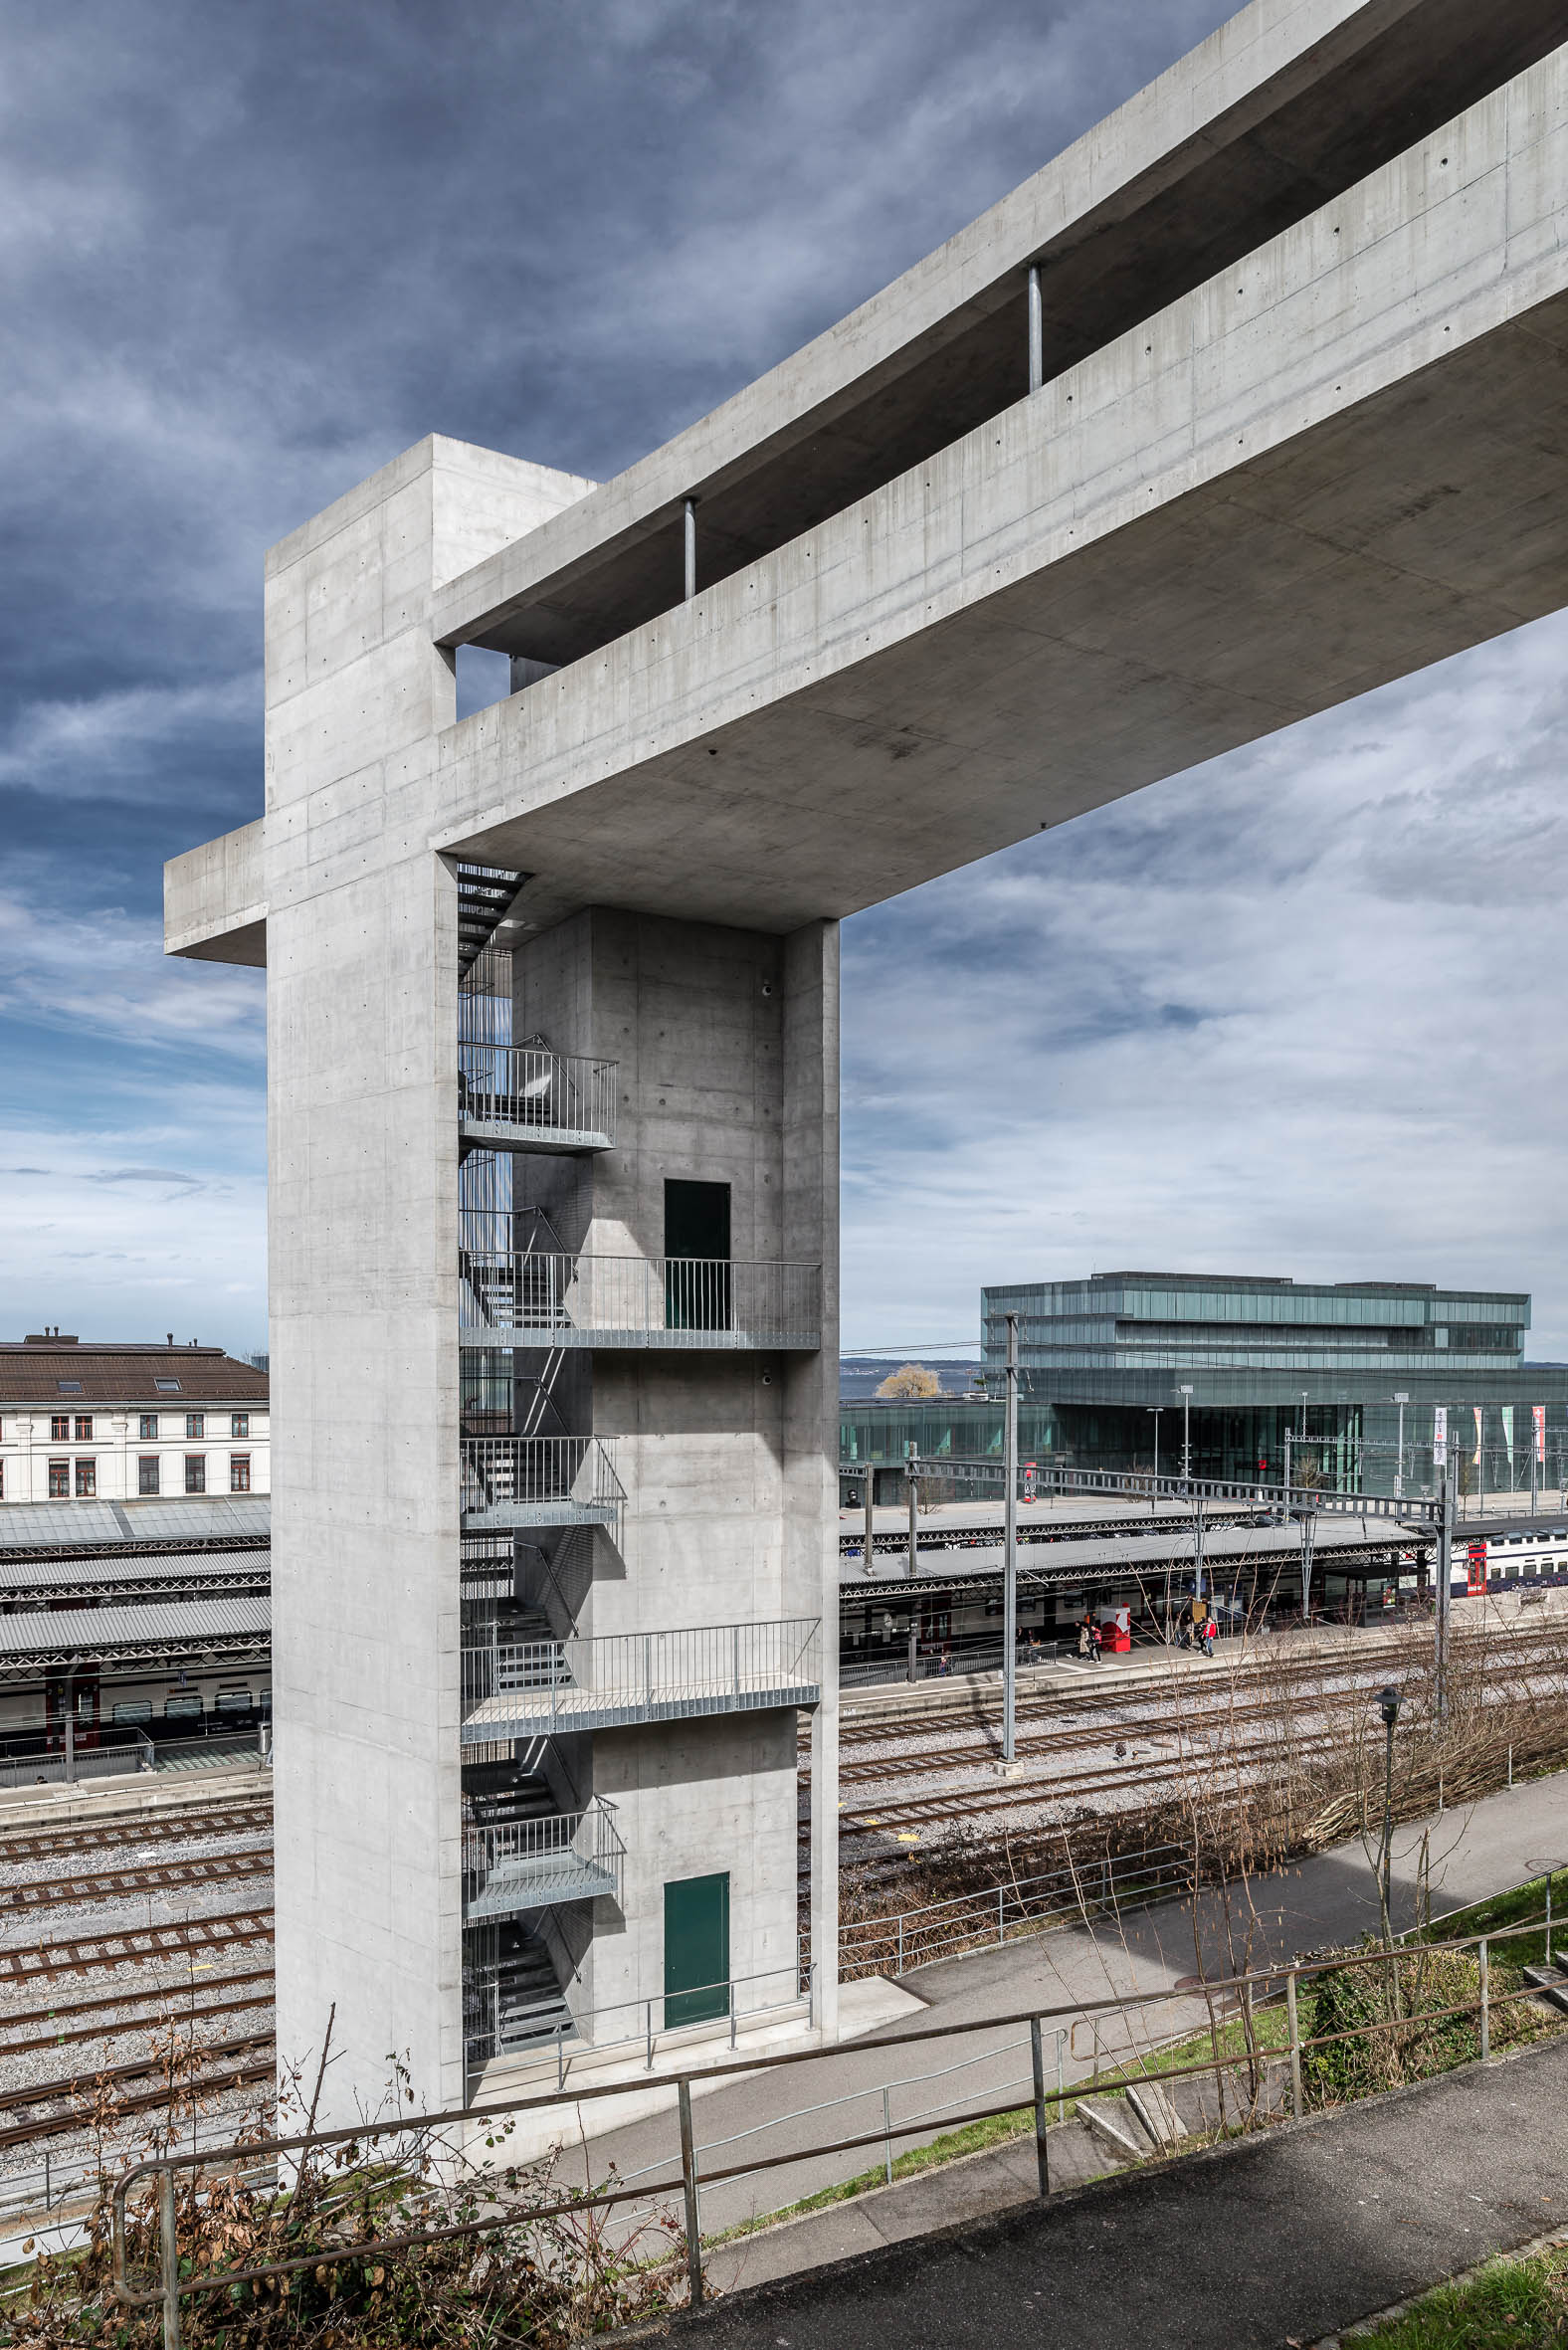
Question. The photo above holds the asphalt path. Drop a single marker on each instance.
(1327, 1900)
(1287, 2237)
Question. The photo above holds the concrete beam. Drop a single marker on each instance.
(215, 901)
(1333, 464)
(1289, 105)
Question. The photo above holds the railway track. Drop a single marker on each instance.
(1324, 1676)
(177, 2006)
(110, 2077)
(156, 1828)
(66, 1955)
(937, 1809)
(924, 1761)
(242, 2072)
(118, 1884)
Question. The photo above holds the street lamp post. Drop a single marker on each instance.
(1399, 1473)
(1186, 1429)
(1388, 1706)
(1010, 1553)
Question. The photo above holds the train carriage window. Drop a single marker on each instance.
(232, 1701)
(132, 1710)
(183, 1707)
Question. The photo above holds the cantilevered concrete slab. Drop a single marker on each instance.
(1337, 461)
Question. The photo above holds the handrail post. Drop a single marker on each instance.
(888, 2137)
(1037, 2056)
(693, 2223)
(1296, 2043)
(169, 2260)
(1485, 2002)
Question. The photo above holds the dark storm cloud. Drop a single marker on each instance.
(1297, 1011)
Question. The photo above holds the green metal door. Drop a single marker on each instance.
(697, 1950)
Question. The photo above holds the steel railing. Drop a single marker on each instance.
(540, 1481)
(534, 1863)
(592, 1300)
(974, 1922)
(560, 1096)
(536, 1688)
(1200, 2003)
(651, 2025)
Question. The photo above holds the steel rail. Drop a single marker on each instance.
(112, 1885)
(117, 1947)
(154, 1828)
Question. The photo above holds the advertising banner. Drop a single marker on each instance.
(1538, 1415)
(1440, 1436)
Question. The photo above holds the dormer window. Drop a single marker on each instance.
(69, 1386)
(167, 1385)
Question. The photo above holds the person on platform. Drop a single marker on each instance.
(1089, 1638)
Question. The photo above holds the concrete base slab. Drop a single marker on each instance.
(863, 2006)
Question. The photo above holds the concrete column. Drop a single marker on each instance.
(362, 1239)
(811, 1226)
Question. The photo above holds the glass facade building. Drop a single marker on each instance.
(1104, 1361)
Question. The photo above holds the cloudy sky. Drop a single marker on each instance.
(1297, 1012)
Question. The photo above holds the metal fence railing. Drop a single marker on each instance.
(1130, 2039)
(120, 1753)
(653, 2026)
(540, 1481)
(540, 1687)
(675, 1301)
(534, 1863)
(562, 1098)
(973, 1921)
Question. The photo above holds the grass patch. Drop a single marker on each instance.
(1507, 2306)
(950, 2146)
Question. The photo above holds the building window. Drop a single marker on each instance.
(87, 1479)
(60, 1480)
(2, 1481)
(60, 1428)
(239, 1424)
(68, 1387)
(149, 1426)
(147, 1473)
(239, 1472)
(83, 1428)
(167, 1385)
(195, 1424)
(195, 1472)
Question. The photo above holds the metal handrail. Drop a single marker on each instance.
(1239, 1993)
(540, 1481)
(940, 1929)
(584, 1298)
(540, 1091)
(564, 1857)
(648, 2018)
(559, 1684)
